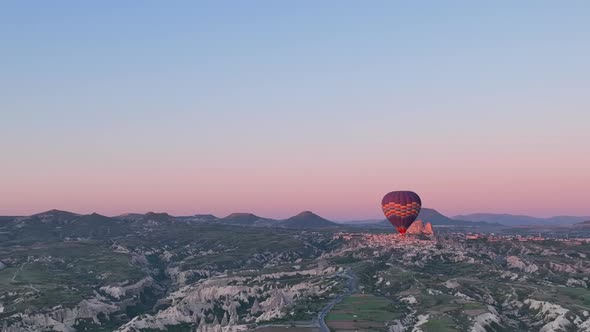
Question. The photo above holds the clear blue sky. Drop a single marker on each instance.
(276, 107)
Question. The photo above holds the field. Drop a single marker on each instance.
(363, 312)
(62, 273)
(439, 324)
(287, 329)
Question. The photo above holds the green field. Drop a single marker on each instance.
(439, 324)
(362, 312)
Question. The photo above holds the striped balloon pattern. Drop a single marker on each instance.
(401, 208)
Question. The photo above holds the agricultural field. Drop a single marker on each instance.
(362, 312)
(287, 329)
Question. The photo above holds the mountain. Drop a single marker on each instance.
(59, 225)
(158, 217)
(438, 219)
(93, 225)
(360, 222)
(203, 217)
(428, 215)
(244, 219)
(130, 216)
(521, 220)
(584, 224)
(307, 219)
(52, 217)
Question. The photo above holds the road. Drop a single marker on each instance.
(352, 286)
(319, 322)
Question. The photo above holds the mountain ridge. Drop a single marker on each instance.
(307, 219)
(521, 220)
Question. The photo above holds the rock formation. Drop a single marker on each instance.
(419, 228)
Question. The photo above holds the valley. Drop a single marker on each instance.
(66, 272)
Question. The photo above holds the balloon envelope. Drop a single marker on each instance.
(401, 208)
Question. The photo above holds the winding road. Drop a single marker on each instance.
(352, 286)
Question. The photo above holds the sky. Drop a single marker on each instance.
(275, 107)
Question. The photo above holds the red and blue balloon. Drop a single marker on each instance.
(401, 208)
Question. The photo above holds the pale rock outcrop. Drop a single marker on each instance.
(517, 263)
(571, 282)
(452, 283)
(428, 229)
(422, 319)
(396, 326)
(143, 322)
(562, 267)
(409, 299)
(183, 278)
(419, 228)
(194, 303)
(508, 274)
(255, 307)
(63, 319)
(486, 319)
(122, 290)
(463, 296)
(554, 315)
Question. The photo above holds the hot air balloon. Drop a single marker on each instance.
(401, 208)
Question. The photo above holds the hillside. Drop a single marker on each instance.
(521, 220)
(307, 219)
(435, 218)
(203, 217)
(583, 224)
(243, 219)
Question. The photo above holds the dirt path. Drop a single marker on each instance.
(17, 271)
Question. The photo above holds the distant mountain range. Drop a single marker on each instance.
(305, 220)
(55, 219)
(428, 215)
(583, 224)
(521, 220)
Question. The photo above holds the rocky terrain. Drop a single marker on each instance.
(477, 285)
(66, 272)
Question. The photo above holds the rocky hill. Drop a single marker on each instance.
(307, 219)
(584, 224)
(420, 228)
(521, 220)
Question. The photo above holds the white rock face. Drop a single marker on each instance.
(463, 296)
(554, 315)
(431, 291)
(422, 319)
(143, 322)
(396, 326)
(419, 228)
(119, 292)
(485, 319)
(516, 263)
(585, 326)
(508, 274)
(63, 319)
(194, 303)
(181, 278)
(451, 284)
(571, 282)
(409, 299)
